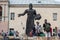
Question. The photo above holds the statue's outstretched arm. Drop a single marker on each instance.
(22, 14)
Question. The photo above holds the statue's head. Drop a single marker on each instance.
(30, 6)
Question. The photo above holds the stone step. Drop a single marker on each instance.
(40, 38)
(34, 38)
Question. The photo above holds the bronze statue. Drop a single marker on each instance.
(31, 13)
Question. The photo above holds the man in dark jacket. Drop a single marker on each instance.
(47, 26)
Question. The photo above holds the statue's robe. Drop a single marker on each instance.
(31, 14)
(30, 19)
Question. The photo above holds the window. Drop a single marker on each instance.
(0, 16)
(0, 13)
(12, 16)
(11, 28)
(54, 16)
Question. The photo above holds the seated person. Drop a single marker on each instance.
(38, 28)
(59, 33)
(11, 33)
(17, 34)
(54, 32)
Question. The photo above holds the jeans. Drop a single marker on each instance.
(48, 34)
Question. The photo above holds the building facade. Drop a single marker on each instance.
(4, 15)
(9, 15)
(49, 12)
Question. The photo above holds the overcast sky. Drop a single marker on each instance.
(20, 0)
(57, 0)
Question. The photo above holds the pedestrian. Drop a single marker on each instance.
(58, 32)
(17, 34)
(38, 28)
(11, 33)
(46, 27)
(4, 35)
(51, 31)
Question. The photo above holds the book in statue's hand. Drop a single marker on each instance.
(38, 17)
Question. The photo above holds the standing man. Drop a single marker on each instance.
(31, 13)
(47, 26)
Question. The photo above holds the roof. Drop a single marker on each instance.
(3, 0)
(36, 5)
(34, 1)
